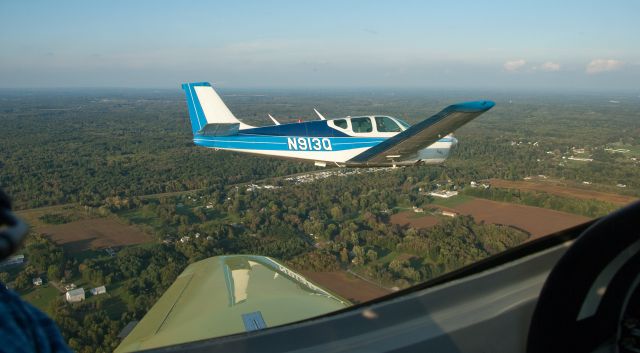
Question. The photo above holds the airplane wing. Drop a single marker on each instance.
(229, 294)
(405, 145)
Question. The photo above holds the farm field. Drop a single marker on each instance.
(347, 286)
(94, 234)
(561, 190)
(535, 220)
(415, 220)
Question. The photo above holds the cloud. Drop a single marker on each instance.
(514, 65)
(550, 66)
(603, 65)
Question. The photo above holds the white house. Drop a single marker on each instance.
(449, 213)
(37, 281)
(75, 295)
(443, 194)
(99, 290)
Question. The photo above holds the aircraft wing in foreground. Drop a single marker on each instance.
(358, 141)
(224, 295)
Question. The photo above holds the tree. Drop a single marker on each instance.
(53, 272)
(372, 255)
(344, 256)
(4, 277)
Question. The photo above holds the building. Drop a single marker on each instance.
(418, 209)
(580, 159)
(478, 185)
(75, 295)
(448, 213)
(37, 281)
(99, 290)
(444, 194)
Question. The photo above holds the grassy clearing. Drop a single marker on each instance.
(42, 296)
(453, 201)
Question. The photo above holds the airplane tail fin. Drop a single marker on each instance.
(206, 108)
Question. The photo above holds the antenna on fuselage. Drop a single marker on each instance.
(319, 115)
(274, 119)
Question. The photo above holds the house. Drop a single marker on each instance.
(99, 290)
(185, 239)
(443, 194)
(75, 295)
(418, 209)
(580, 159)
(448, 213)
(37, 281)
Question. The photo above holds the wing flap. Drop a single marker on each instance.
(405, 145)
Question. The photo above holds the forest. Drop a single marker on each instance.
(128, 155)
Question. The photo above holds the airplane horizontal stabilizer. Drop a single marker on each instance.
(405, 145)
(220, 129)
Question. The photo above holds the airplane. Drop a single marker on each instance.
(354, 141)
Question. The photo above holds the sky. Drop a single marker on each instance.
(563, 45)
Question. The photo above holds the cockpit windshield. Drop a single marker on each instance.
(386, 124)
(403, 123)
(221, 199)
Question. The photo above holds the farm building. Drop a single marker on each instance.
(99, 290)
(449, 213)
(75, 295)
(443, 194)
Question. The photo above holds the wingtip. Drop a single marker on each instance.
(475, 106)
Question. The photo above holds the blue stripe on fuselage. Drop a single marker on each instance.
(290, 143)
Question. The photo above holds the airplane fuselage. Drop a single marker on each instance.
(318, 141)
(353, 141)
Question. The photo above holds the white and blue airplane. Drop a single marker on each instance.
(355, 141)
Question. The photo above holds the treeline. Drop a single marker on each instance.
(425, 254)
(124, 148)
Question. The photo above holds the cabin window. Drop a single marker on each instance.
(361, 124)
(385, 124)
(341, 123)
(403, 123)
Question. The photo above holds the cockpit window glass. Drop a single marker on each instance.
(341, 123)
(362, 124)
(403, 123)
(385, 124)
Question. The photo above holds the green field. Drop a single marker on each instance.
(42, 296)
(452, 201)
